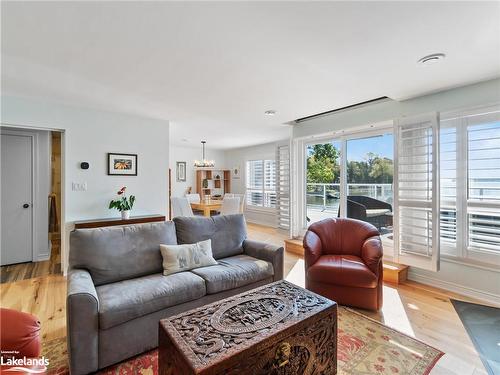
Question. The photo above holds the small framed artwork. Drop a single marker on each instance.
(236, 172)
(122, 164)
(181, 171)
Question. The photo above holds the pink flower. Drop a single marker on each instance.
(122, 190)
(379, 368)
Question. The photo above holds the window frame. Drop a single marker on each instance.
(461, 252)
(299, 179)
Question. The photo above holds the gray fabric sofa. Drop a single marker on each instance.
(117, 293)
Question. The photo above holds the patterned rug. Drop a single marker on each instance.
(365, 347)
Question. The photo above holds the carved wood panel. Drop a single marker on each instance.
(214, 336)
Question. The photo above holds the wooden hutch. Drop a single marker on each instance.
(218, 182)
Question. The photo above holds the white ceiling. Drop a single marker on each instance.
(214, 68)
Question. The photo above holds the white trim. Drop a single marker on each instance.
(429, 262)
(33, 136)
(454, 287)
(65, 227)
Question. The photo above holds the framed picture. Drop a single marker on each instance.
(181, 171)
(122, 164)
(236, 172)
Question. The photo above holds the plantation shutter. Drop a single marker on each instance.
(283, 186)
(483, 182)
(255, 182)
(416, 191)
(269, 183)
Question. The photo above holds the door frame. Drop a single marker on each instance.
(299, 224)
(25, 129)
(34, 176)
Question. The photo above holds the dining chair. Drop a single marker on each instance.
(242, 200)
(193, 198)
(230, 206)
(181, 207)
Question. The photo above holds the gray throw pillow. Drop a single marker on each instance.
(179, 258)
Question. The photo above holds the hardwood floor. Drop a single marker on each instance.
(415, 309)
(23, 271)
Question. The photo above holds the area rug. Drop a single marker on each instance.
(365, 347)
(483, 326)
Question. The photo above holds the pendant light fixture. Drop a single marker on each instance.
(204, 163)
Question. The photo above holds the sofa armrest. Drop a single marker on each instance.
(82, 317)
(270, 253)
(372, 252)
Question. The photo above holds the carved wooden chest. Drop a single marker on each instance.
(279, 328)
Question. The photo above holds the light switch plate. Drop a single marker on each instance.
(79, 186)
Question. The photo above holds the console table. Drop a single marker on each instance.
(114, 221)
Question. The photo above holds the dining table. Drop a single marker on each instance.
(207, 206)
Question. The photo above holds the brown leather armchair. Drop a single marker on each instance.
(343, 262)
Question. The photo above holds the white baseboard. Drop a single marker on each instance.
(456, 288)
(42, 257)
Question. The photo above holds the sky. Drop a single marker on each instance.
(358, 148)
(382, 146)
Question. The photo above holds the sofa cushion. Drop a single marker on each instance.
(234, 272)
(126, 300)
(345, 270)
(179, 258)
(113, 254)
(227, 233)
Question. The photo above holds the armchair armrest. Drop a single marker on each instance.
(372, 253)
(270, 253)
(312, 248)
(82, 316)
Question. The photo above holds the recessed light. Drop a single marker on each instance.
(431, 59)
(270, 112)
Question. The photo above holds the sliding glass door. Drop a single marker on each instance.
(369, 163)
(322, 181)
(351, 177)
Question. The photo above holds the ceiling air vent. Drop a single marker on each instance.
(372, 101)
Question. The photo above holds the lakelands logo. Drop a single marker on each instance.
(26, 365)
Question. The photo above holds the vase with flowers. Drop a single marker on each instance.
(123, 204)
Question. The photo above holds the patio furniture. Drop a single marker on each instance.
(369, 209)
(343, 262)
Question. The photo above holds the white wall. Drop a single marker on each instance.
(467, 279)
(88, 136)
(238, 158)
(189, 155)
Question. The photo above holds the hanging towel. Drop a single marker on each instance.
(53, 223)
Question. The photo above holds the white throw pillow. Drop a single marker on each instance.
(178, 258)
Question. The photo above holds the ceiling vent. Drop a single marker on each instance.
(372, 101)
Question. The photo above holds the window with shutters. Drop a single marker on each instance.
(470, 185)
(416, 192)
(283, 185)
(261, 183)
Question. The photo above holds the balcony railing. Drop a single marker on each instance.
(327, 196)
